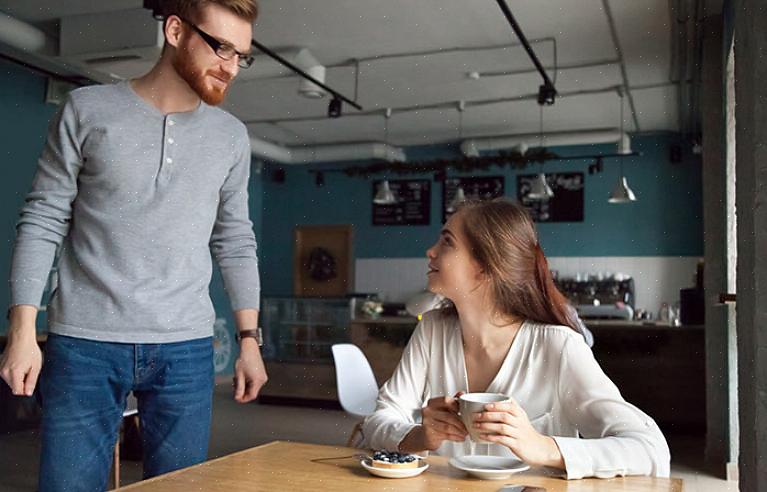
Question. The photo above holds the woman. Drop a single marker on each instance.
(509, 330)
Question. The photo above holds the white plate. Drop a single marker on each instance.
(395, 472)
(489, 467)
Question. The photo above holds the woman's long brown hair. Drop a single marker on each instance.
(502, 239)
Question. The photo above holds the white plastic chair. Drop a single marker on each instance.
(357, 387)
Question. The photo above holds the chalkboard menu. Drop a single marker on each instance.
(474, 188)
(565, 206)
(413, 205)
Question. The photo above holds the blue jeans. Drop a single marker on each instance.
(83, 388)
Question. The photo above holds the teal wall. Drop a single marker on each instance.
(665, 221)
(23, 125)
(24, 120)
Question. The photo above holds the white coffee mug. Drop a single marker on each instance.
(471, 403)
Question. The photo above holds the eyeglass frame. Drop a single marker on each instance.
(244, 60)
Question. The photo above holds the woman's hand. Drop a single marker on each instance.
(439, 423)
(507, 424)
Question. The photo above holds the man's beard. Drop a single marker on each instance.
(196, 79)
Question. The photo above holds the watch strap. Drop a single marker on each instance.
(256, 333)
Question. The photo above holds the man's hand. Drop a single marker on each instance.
(21, 360)
(249, 371)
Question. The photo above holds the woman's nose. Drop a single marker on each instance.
(430, 253)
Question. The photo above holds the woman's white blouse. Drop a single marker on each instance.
(551, 373)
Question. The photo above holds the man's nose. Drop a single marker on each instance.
(231, 67)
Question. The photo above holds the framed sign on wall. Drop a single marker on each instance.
(323, 261)
(565, 206)
(474, 188)
(413, 205)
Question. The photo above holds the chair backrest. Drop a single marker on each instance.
(357, 387)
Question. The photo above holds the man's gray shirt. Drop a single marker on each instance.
(138, 201)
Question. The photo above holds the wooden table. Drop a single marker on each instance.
(303, 467)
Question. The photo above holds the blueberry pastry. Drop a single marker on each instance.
(394, 459)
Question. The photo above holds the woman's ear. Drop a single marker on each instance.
(481, 275)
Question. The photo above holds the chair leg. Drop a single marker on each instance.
(357, 429)
(116, 464)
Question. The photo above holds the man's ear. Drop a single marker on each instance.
(173, 30)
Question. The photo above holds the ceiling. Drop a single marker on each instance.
(415, 57)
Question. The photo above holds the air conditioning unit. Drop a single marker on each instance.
(123, 43)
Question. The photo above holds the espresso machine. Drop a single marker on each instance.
(600, 297)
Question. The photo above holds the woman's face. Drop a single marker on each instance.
(453, 271)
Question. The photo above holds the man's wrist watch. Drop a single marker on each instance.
(256, 333)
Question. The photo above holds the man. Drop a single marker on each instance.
(139, 183)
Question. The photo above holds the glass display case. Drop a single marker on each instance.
(303, 329)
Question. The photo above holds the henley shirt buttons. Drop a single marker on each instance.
(169, 160)
(170, 141)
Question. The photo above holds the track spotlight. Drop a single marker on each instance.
(596, 168)
(546, 94)
(334, 107)
(156, 7)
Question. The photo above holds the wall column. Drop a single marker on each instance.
(751, 196)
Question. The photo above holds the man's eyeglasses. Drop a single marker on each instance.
(223, 50)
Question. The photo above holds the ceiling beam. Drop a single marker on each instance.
(468, 104)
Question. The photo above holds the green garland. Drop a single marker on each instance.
(513, 160)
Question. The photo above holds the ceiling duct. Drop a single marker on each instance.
(473, 146)
(127, 44)
(266, 67)
(326, 153)
(23, 36)
(124, 43)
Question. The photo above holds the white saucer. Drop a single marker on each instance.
(394, 472)
(489, 467)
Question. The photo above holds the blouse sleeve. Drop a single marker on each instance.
(618, 438)
(401, 398)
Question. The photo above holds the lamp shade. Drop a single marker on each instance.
(622, 193)
(540, 189)
(384, 195)
(459, 198)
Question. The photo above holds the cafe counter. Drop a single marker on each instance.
(657, 367)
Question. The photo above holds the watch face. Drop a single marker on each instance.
(222, 345)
